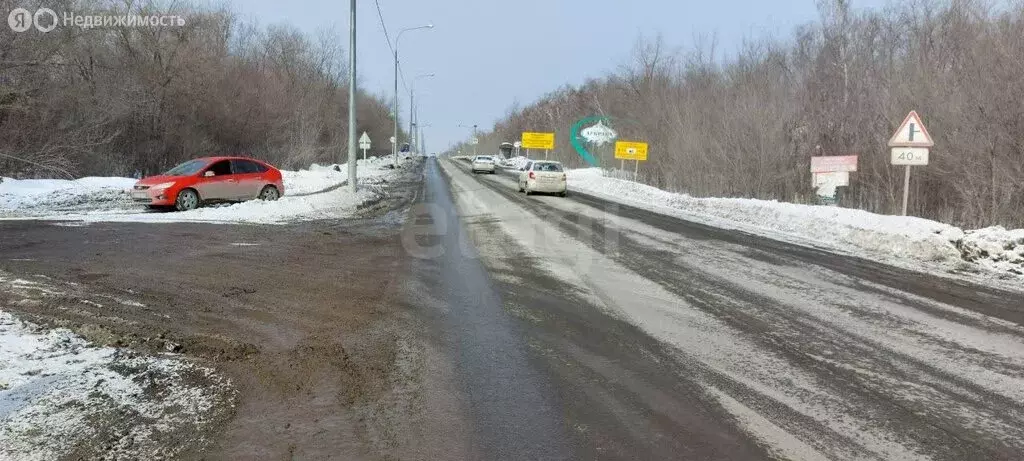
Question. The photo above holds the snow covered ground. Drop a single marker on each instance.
(60, 395)
(310, 194)
(26, 195)
(907, 241)
(514, 162)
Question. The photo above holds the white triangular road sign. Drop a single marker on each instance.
(911, 133)
(364, 140)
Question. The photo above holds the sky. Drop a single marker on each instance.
(488, 54)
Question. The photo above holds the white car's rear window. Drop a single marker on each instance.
(483, 159)
(547, 167)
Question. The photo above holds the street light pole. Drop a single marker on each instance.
(412, 105)
(352, 98)
(423, 143)
(394, 146)
(474, 135)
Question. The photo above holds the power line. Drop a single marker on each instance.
(383, 26)
(387, 37)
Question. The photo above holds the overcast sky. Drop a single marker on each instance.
(487, 54)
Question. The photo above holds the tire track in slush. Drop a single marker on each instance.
(865, 373)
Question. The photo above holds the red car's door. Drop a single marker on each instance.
(249, 178)
(221, 186)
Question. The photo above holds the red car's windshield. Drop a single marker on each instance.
(188, 168)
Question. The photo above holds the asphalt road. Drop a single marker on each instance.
(463, 320)
(793, 350)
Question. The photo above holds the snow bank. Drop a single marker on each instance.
(310, 194)
(995, 248)
(320, 177)
(889, 238)
(518, 161)
(27, 194)
(337, 203)
(59, 394)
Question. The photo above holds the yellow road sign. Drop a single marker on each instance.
(630, 150)
(538, 140)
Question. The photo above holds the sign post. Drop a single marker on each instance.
(517, 145)
(631, 150)
(830, 172)
(364, 143)
(531, 140)
(910, 146)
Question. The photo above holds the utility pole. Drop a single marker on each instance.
(412, 116)
(413, 109)
(475, 140)
(352, 98)
(420, 126)
(394, 146)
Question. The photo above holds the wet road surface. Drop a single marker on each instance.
(516, 412)
(807, 354)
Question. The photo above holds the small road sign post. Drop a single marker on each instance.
(631, 150)
(910, 146)
(517, 145)
(364, 143)
(830, 172)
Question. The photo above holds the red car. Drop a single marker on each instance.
(208, 180)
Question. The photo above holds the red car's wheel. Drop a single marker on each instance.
(188, 199)
(270, 193)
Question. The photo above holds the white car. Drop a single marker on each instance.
(542, 176)
(483, 163)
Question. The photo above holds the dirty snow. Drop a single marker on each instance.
(310, 194)
(59, 394)
(904, 240)
(996, 248)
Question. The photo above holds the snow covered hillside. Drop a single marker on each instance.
(906, 241)
(314, 193)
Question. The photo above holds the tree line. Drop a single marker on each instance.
(122, 100)
(747, 125)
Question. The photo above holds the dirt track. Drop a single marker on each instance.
(306, 320)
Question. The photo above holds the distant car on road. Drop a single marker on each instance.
(542, 176)
(209, 180)
(483, 163)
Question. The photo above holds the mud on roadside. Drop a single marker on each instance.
(303, 320)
